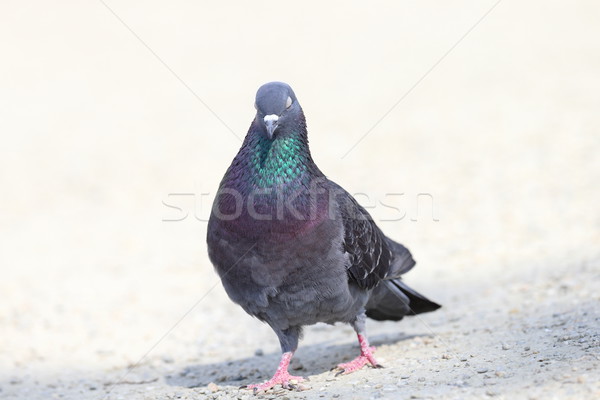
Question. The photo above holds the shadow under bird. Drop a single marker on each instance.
(293, 248)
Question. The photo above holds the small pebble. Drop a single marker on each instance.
(505, 346)
(212, 387)
(482, 370)
(259, 352)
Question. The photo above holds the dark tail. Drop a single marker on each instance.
(417, 302)
(392, 299)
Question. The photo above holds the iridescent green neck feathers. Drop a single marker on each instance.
(277, 162)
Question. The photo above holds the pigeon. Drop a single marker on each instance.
(293, 248)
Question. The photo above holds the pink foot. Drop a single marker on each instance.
(282, 377)
(366, 357)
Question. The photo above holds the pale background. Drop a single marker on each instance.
(96, 133)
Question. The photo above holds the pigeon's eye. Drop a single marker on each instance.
(288, 102)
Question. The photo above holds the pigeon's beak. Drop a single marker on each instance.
(271, 124)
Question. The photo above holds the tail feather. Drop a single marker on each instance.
(392, 299)
(417, 302)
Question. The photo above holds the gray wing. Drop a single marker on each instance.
(367, 247)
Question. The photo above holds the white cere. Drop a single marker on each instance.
(271, 117)
(288, 102)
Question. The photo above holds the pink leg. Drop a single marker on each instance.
(366, 357)
(282, 376)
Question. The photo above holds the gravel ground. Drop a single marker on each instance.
(108, 163)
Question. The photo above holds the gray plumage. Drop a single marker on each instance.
(293, 248)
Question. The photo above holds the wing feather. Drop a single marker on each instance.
(365, 244)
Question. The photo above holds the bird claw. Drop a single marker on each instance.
(343, 371)
(284, 379)
(365, 358)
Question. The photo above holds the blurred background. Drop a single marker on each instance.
(112, 111)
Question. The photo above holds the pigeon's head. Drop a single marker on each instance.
(276, 107)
